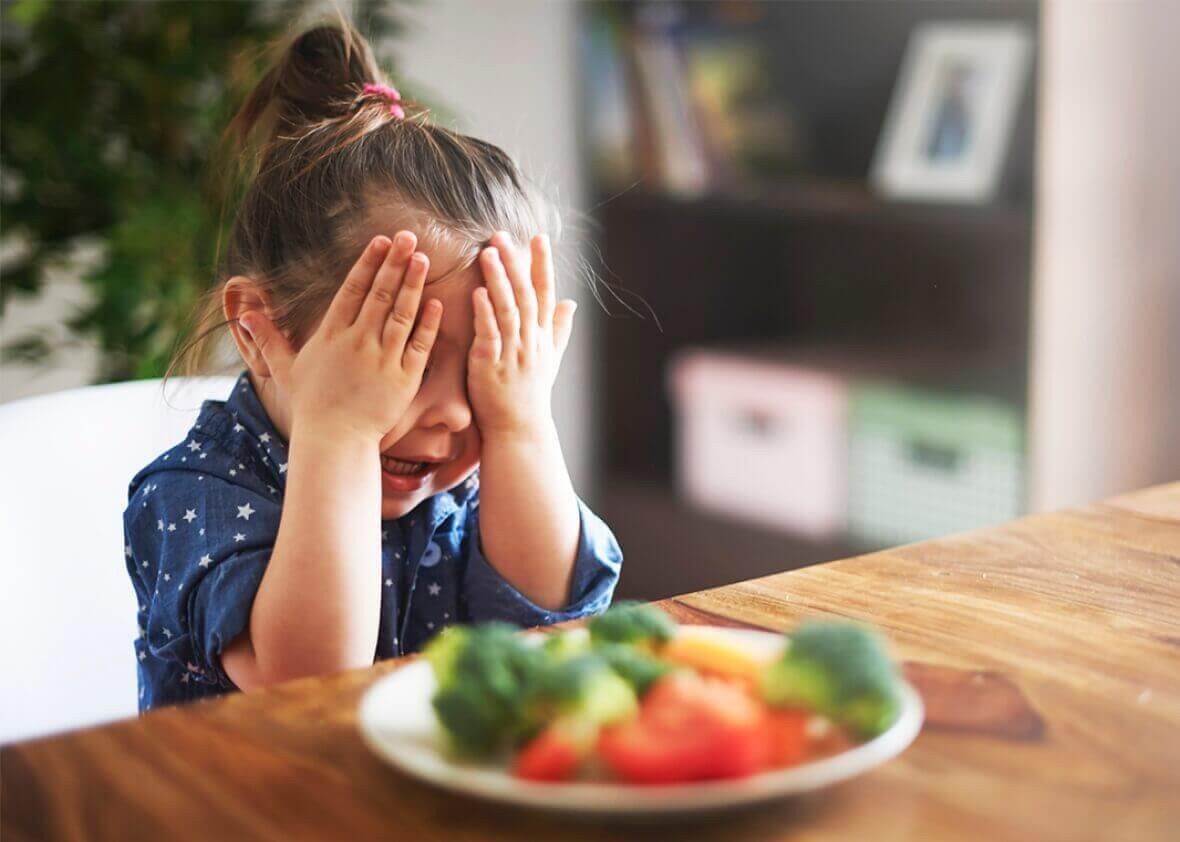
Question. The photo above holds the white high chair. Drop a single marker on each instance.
(67, 609)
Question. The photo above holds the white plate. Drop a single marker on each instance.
(398, 723)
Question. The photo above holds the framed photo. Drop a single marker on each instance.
(946, 134)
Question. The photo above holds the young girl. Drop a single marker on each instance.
(331, 511)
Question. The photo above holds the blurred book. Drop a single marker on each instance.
(609, 104)
(681, 164)
(750, 132)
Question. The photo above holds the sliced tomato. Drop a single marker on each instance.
(550, 756)
(689, 728)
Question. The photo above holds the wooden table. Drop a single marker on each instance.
(1048, 651)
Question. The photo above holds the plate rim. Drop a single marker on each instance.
(595, 797)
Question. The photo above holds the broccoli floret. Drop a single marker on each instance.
(562, 645)
(581, 688)
(637, 668)
(485, 677)
(840, 670)
(634, 623)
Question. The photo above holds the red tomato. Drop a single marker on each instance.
(788, 736)
(549, 756)
(689, 728)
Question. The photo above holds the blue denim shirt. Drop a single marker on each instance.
(201, 522)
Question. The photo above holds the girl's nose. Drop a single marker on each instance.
(446, 406)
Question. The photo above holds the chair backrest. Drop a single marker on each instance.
(67, 610)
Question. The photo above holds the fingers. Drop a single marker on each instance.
(486, 345)
(276, 351)
(543, 283)
(500, 292)
(346, 304)
(391, 277)
(422, 341)
(522, 286)
(563, 324)
(400, 322)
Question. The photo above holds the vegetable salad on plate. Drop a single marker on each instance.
(638, 699)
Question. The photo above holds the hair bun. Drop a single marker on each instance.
(322, 72)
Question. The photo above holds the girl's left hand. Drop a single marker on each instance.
(521, 333)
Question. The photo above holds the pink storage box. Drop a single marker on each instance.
(761, 440)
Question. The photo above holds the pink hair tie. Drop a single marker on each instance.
(390, 95)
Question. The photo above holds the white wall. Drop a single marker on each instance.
(1105, 393)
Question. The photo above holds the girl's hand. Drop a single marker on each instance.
(363, 365)
(521, 333)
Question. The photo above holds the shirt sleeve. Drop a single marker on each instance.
(198, 546)
(489, 596)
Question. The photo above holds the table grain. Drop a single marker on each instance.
(1047, 650)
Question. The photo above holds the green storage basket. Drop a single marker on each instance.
(923, 464)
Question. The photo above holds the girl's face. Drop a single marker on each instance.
(439, 427)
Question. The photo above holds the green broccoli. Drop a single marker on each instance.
(561, 645)
(634, 623)
(485, 677)
(637, 668)
(583, 687)
(840, 670)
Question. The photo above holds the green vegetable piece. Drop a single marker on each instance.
(486, 678)
(563, 645)
(637, 668)
(632, 622)
(840, 670)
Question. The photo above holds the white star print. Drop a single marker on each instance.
(189, 515)
(245, 511)
(264, 438)
(180, 587)
(183, 458)
(389, 583)
(172, 527)
(241, 467)
(166, 455)
(282, 467)
(273, 490)
(145, 562)
(167, 577)
(160, 525)
(202, 530)
(238, 428)
(184, 679)
(203, 455)
(167, 634)
(239, 537)
(194, 445)
(384, 534)
(127, 550)
(232, 472)
(201, 477)
(205, 561)
(430, 625)
(143, 656)
(434, 589)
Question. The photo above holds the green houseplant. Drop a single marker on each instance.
(112, 118)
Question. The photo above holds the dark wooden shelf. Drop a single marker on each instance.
(831, 201)
(671, 547)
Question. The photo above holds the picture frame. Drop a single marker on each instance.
(950, 118)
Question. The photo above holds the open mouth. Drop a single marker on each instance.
(401, 467)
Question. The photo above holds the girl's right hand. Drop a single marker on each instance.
(362, 367)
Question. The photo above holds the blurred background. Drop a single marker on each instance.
(869, 272)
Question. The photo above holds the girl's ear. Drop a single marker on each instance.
(241, 295)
